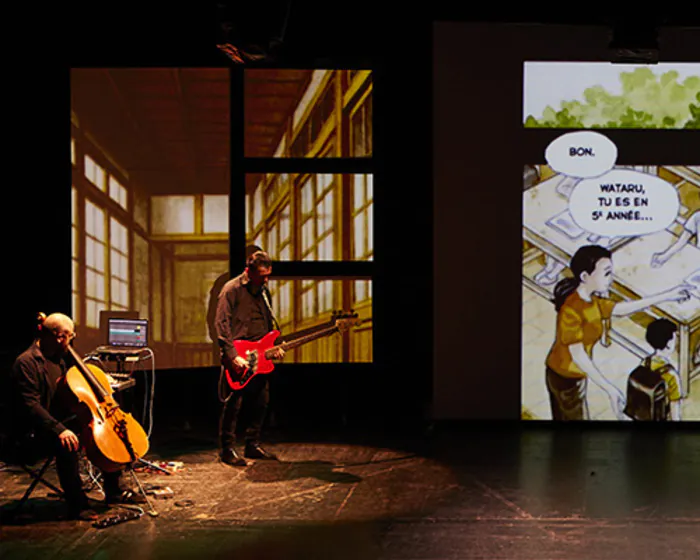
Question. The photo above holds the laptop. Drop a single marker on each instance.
(125, 336)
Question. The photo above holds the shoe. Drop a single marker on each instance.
(254, 451)
(125, 497)
(230, 457)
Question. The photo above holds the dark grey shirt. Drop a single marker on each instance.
(241, 314)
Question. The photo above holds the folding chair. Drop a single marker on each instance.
(14, 458)
(38, 477)
(25, 454)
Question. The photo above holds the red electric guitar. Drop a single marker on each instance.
(259, 353)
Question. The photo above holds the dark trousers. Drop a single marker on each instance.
(567, 397)
(68, 470)
(250, 403)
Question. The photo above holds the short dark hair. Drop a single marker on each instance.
(659, 332)
(259, 259)
(250, 249)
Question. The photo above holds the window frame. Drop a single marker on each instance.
(304, 163)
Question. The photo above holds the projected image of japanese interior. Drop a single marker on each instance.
(313, 216)
(611, 252)
(150, 152)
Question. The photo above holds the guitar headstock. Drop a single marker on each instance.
(344, 320)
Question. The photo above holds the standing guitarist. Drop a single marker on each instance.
(244, 313)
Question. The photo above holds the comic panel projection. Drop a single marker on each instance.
(611, 286)
(603, 95)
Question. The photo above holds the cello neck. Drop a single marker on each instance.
(99, 391)
(96, 387)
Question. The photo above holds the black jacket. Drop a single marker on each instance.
(33, 384)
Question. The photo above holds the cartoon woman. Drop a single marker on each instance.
(583, 319)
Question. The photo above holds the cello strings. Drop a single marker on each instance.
(148, 399)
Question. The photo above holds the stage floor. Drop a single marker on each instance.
(535, 493)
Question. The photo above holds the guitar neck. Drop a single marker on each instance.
(303, 339)
(308, 338)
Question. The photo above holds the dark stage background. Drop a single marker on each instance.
(479, 351)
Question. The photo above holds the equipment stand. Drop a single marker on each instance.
(153, 512)
(121, 370)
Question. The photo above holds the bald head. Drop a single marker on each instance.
(56, 333)
(59, 321)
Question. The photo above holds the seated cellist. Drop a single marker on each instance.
(39, 408)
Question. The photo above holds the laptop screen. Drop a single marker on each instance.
(129, 333)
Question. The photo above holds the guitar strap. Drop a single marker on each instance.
(269, 307)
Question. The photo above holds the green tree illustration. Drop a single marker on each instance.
(694, 121)
(646, 101)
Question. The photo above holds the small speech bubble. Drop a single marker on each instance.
(583, 154)
(624, 202)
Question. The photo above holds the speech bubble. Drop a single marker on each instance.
(583, 154)
(624, 202)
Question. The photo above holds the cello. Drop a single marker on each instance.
(112, 438)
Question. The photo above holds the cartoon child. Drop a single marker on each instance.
(690, 229)
(583, 320)
(662, 336)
